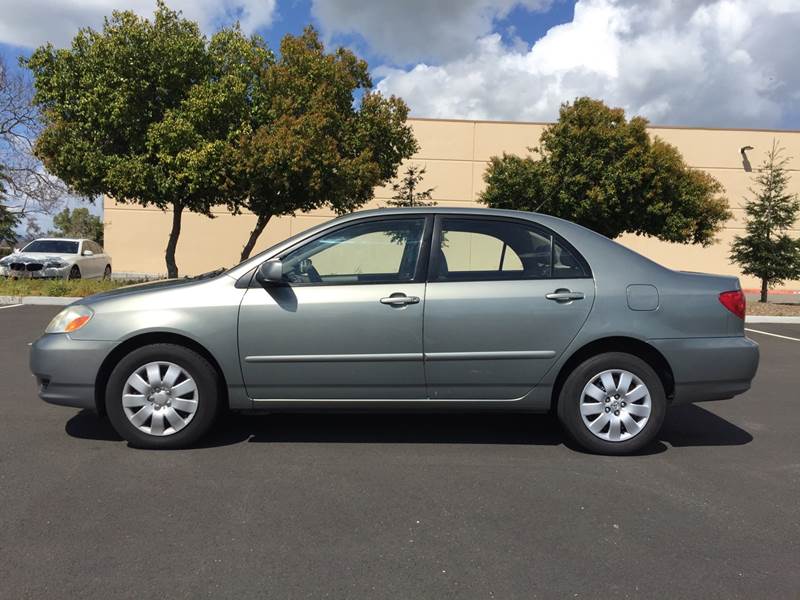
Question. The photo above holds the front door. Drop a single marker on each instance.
(347, 322)
(504, 299)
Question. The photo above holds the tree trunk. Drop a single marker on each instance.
(764, 291)
(261, 223)
(172, 244)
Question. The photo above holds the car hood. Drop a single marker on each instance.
(26, 257)
(142, 288)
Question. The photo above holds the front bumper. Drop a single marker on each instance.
(710, 368)
(66, 369)
(43, 273)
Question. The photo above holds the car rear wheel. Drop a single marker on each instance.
(75, 272)
(612, 403)
(162, 396)
(107, 272)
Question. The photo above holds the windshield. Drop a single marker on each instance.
(52, 246)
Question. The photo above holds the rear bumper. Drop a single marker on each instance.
(710, 368)
(66, 369)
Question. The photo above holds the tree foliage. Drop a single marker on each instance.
(79, 223)
(766, 250)
(25, 189)
(109, 103)
(306, 143)
(407, 192)
(600, 170)
(8, 219)
(153, 113)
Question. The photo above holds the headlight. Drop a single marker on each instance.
(55, 264)
(70, 319)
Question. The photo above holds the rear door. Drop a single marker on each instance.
(87, 264)
(504, 299)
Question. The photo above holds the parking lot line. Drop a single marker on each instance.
(783, 337)
(10, 306)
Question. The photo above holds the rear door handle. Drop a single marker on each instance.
(564, 295)
(399, 299)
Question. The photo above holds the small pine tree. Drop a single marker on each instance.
(8, 219)
(767, 251)
(405, 191)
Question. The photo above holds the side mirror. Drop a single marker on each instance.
(88, 253)
(270, 272)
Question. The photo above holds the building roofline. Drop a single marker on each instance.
(649, 125)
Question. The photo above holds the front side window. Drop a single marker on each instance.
(384, 251)
(52, 246)
(487, 249)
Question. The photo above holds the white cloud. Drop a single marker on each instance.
(417, 29)
(713, 62)
(30, 23)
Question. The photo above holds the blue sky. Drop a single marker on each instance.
(717, 63)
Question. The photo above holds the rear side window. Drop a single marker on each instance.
(490, 249)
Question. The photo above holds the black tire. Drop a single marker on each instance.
(74, 272)
(204, 376)
(107, 272)
(570, 399)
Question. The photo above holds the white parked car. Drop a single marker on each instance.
(58, 258)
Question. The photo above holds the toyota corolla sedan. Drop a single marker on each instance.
(427, 309)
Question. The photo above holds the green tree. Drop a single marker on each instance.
(8, 220)
(108, 104)
(406, 192)
(307, 142)
(767, 251)
(600, 170)
(79, 223)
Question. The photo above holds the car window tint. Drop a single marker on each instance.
(472, 251)
(371, 252)
(488, 249)
(54, 246)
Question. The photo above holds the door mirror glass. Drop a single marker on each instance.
(270, 272)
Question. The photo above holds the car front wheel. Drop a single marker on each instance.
(162, 396)
(612, 403)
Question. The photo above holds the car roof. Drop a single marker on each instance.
(53, 239)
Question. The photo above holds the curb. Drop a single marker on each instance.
(767, 319)
(39, 300)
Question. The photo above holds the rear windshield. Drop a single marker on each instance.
(53, 246)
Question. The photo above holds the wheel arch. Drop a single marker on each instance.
(628, 345)
(146, 339)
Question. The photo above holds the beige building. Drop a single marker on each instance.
(455, 155)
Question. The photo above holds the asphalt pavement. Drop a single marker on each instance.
(408, 506)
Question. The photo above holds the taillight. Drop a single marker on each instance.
(735, 302)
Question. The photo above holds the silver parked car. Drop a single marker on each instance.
(59, 258)
(422, 309)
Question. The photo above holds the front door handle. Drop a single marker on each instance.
(399, 299)
(564, 295)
